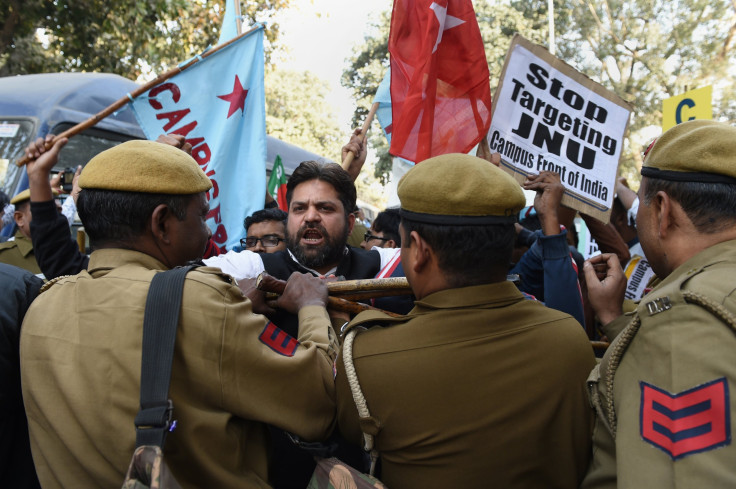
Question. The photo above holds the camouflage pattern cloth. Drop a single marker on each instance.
(149, 471)
(331, 473)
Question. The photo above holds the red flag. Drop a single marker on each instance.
(440, 89)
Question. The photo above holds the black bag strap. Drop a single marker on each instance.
(160, 320)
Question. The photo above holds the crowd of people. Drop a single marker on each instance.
(485, 376)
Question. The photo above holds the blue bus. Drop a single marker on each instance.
(32, 106)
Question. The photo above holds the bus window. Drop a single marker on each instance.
(15, 134)
(84, 146)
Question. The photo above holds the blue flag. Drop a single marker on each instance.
(230, 22)
(384, 113)
(218, 104)
(383, 98)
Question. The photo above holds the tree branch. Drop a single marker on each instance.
(729, 38)
(11, 22)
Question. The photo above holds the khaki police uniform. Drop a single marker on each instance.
(80, 360)
(670, 374)
(663, 392)
(232, 374)
(476, 387)
(19, 253)
(356, 237)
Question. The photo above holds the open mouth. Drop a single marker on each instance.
(311, 237)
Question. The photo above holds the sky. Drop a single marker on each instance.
(320, 34)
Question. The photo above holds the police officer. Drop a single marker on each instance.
(143, 206)
(663, 390)
(19, 250)
(476, 387)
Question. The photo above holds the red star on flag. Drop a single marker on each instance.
(236, 97)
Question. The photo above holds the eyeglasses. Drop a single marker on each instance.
(267, 241)
(368, 236)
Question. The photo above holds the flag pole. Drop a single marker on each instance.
(551, 25)
(238, 22)
(73, 131)
(363, 131)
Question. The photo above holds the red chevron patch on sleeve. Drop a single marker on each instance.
(689, 422)
(278, 340)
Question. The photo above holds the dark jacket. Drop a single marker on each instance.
(56, 253)
(547, 272)
(19, 288)
(355, 264)
(292, 467)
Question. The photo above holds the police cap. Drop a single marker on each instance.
(694, 151)
(147, 167)
(21, 197)
(459, 189)
(26, 195)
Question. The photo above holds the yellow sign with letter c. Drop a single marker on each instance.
(693, 104)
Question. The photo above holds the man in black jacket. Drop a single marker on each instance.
(19, 288)
(56, 253)
(320, 197)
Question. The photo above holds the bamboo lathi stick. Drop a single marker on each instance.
(391, 285)
(81, 241)
(267, 283)
(363, 131)
(343, 294)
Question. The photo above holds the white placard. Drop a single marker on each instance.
(548, 116)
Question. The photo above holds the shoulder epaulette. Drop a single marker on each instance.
(216, 271)
(373, 317)
(51, 282)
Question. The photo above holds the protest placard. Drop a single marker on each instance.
(548, 116)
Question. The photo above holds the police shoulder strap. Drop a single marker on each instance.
(161, 317)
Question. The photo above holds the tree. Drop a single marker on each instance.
(498, 22)
(366, 69)
(134, 37)
(126, 37)
(296, 111)
(643, 51)
(648, 51)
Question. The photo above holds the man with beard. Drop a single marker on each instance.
(320, 197)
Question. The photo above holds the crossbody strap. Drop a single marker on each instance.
(163, 304)
(358, 397)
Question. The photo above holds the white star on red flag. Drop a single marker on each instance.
(446, 21)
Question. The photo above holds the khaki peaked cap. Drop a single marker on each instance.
(26, 195)
(459, 189)
(147, 167)
(21, 197)
(694, 151)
